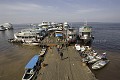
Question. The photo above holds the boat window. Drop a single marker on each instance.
(19, 36)
(29, 70)
(26, 37)
(37, 33)
(33, 36)
(86, 33)
(30, 36)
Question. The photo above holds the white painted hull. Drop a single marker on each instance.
(31, 43)
(99, 64)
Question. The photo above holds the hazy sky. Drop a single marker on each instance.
(36, 11)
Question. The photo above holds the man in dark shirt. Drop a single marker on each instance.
(61, 55)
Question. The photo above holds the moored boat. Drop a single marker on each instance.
(43, 51)
(2, 28)
(7, 26)
(85, 35)
(77, 47)
(71, 35)
(99, 64)
(31, 69)
(45, 25)
(30, 36)
(93, 60)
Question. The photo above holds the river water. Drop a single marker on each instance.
(13, 57)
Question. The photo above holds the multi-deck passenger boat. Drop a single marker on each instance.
(2, 28)
(29, 36)
(45, 25)
(71, 35)
(66, 25)
(7, 26)
(85, 34)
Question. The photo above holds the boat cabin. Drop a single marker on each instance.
(30, 35)
(85, 32)
(71, 35)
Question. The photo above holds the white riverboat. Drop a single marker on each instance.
(71, 35)
(7, 26)
(45, 25)
(30, 36)
(99, 64)
(85, 32)
(2, 28)
(66, 25)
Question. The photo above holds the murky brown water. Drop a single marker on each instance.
(14, 57)
(111, 71)
(13, 61)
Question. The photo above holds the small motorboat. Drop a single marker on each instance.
(96, 58)
(32, 68)
(42, 52)
(77, 46)
(93, 60)
(85, 60)
(99, 64)
(100, 56)
(44, 49)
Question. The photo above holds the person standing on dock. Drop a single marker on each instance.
(58, 48)
(61, 55)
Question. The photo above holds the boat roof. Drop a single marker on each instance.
(32, 62)
(85, 29)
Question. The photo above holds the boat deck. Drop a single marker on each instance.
(70, 68)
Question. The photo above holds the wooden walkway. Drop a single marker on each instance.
(70, 68)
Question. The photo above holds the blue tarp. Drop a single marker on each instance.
(32, 62)
(58, 35)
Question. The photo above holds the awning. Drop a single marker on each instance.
(32, 62)
(58, 35)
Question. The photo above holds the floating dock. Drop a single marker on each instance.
(70, 68)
